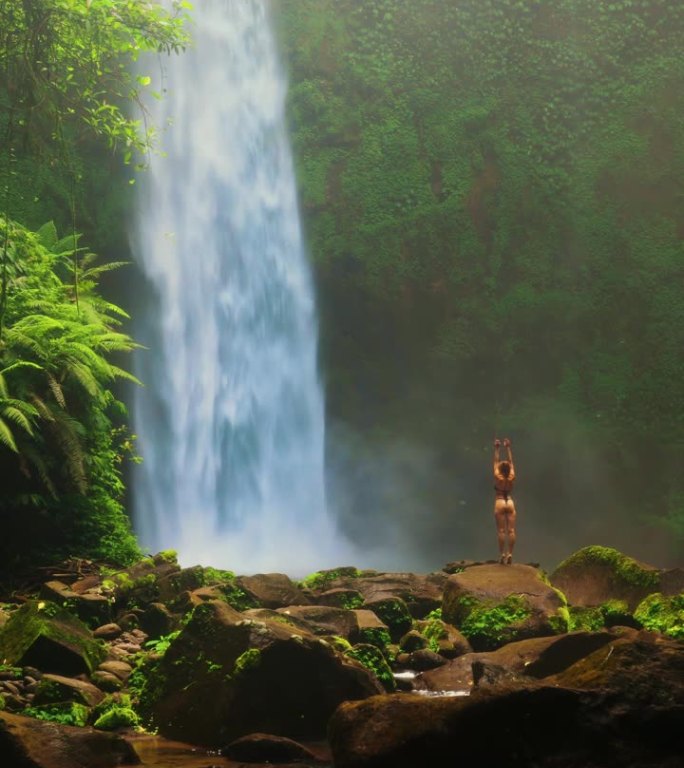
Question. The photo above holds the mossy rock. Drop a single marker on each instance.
(41, 634)
(394, 613)
(374, 660)
(117, 717)
(664, 614)
(596, 575)
(495, 604)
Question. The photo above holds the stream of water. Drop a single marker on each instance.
(230, 422)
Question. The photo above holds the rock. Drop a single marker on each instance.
(93, 609)
(449, 641)
(156, 620)
(541, 726)
(672, 581)
(266, 748)
(493, 605)
(141, 583)
(106, 681)
(272, 590)
(393, 612)
(412, 641)
(535, 657)
(369, 628)
(121, 669)
(421, 593)
(269, 614)
(258, 676)
(340, 598)
(424, 659)
(323, 620)
(646, 669)
(107, 632)
(170, 585)
(56, 688)
(594, 575)
(43, 635)
(373, 659)
(29, 743)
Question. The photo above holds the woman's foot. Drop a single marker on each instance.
(509, 559)
(502, 559)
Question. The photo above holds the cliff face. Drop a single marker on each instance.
(490, 194)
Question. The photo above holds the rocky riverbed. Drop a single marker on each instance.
(358, 669)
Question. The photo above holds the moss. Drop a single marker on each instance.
(338, 643)
(489, 626)
(395, 614)
(374, 660)
(166, 556)
(64, 713)
(616, 612)
(560, 623)
(433, 631)
(212, 576)
(625, 568)
(247, 660)
(321, 579)
(43, 618)
(351, 601)
(117, 717)
(376, 636)
(660, 613)
(585, 619)
(237, 598)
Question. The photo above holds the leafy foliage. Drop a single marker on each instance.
(61, 452)
(491, 190)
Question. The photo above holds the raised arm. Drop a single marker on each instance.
(509, 451)
(497, 448)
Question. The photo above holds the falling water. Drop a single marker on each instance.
(230, 423)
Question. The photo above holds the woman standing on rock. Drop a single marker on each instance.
(504, 508)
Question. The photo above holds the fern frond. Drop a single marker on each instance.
(6, 437)
(18, 416)
(56, 389)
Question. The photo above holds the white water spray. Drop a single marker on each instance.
(230, 423)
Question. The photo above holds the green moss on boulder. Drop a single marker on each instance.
(595, 575)
(373, 659)
(660, 613)
(44, 635)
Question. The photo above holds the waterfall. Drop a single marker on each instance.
(230, 422)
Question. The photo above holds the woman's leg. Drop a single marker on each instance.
(501, 527)
(510, 529)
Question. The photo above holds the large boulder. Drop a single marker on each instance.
(225, 676)
(29, 743)
(421, 593)
(323, 619)
(52, 689)
(90, 605)
(493, 605)
(42, 634)
(272, 590)
(536, 657)
(620, 707)
(595, 575)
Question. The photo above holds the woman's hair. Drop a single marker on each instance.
(505, 468)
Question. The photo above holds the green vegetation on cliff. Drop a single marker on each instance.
(491, 192)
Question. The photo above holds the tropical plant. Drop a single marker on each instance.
(59, 447)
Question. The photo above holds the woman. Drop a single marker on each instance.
(504, 508)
